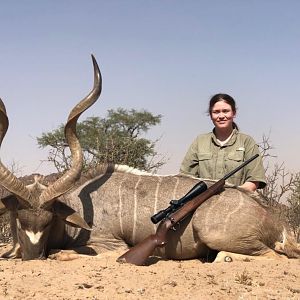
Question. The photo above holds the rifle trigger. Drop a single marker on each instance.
(173, 223)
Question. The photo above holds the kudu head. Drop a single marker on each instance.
(36, 206)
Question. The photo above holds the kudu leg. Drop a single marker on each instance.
(224, 256)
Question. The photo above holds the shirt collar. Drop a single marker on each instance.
(229, 143)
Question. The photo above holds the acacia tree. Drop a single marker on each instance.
(114, 139)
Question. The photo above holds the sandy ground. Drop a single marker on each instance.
(101, 277)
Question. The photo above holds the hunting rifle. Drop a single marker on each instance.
(197, 189)
(138, 254)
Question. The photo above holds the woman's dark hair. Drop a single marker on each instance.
(223, 97)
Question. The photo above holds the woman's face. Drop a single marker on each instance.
(222, 115)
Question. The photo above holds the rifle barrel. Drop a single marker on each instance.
(240, 167)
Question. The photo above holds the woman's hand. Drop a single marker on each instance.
(250, 186)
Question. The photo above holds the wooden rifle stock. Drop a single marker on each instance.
(139, 254)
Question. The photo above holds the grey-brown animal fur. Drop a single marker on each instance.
(119, 204)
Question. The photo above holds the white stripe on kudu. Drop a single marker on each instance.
(156, 198)
(121, 206)
(135, 209)
(175, 188)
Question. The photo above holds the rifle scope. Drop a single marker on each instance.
(197, 189)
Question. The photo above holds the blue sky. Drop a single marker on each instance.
(168, 57)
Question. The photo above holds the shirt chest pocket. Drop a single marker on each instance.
(205, 169)
(234, 159)
(204, 156)
(237, 156)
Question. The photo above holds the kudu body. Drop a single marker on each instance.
(117, 203)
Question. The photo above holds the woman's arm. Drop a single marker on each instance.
(189, 164)
(254, 172)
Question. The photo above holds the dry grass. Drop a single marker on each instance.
(5, 234)
(244, 278)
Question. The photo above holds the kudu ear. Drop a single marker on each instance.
(8, 203)
(69, 215)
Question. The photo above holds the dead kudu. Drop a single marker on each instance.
(36, 213)
(117, 203)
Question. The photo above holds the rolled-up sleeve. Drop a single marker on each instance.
(190, 162)
(255, 170)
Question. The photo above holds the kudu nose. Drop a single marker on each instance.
(34, 255)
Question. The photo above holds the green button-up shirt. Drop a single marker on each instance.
(207, 159)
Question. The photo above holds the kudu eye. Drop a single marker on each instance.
(283, 237)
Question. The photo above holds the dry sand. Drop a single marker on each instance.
(101, 277)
